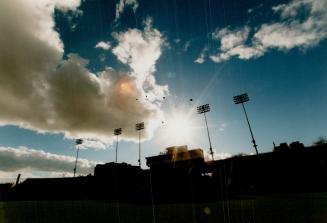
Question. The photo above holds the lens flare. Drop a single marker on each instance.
(178, 130)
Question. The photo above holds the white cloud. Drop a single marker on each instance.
(285, 38)
(40, 90)
(201, 57)
(241, 51)
(294, 29)
(230, 39)
(94, 144)
(216, 155)
(22, 158)
(103, 45)
(63, 5)
(140, 51)
(123, 4)
(233, 43)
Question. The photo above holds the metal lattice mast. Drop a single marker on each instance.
(77, 143)
(203, 109)
(117, 132)
(240, 99)
(139, 127)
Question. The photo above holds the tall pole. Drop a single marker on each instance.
(76, 159)
(240, 99)
(116, 150)
(253, 140)
(202, 110)
(77, 142)
(139, 148)
(139, 127)
(117, 132)
(211, 152)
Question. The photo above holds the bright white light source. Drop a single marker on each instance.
(178, 130)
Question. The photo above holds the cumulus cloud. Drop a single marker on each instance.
(122, 4)
(302, 24)
(103, 45)
(216, 155)
(230, 39)
(22, 158)
(93, 144)
(241, 51)
(233, 43)
(63, 5)
(201, 57)
(295, 29)
(40, 90)
(140, 51)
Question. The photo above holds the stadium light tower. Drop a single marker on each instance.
(240, 99)
(203, 109)
(77, 143)
(117, 132)
(139, 127)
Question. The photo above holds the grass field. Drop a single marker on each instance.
(299, 208)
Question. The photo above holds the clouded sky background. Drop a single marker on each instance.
(79, 69)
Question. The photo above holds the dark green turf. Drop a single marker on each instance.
(297, 208)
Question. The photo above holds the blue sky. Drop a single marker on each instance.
(207, 51)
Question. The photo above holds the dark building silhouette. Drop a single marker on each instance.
(182, 175)
(296, 145)
(178, 161)
(4, 189)
(176, 172)
(108, 170)
(120, 181)
(282, 147)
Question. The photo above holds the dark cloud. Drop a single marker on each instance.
(41, 91)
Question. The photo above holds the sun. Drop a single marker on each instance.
(178, 129)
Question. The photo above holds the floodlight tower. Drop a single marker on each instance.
(203, 109)
(77, 143)
(139, 127)
(117, 132)
(240, 99)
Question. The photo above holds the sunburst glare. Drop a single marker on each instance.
(178, 129)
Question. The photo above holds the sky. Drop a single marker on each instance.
(80, 69)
